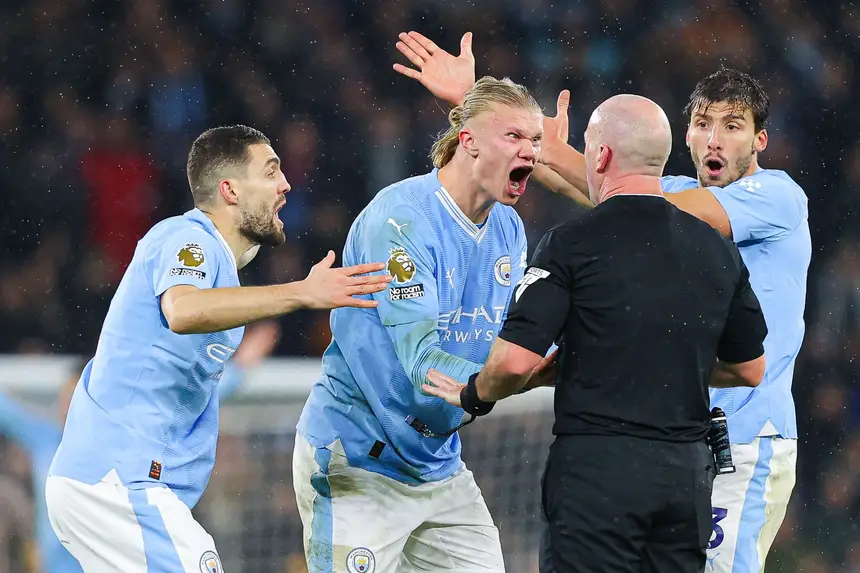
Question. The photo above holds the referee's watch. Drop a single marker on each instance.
(469, 399)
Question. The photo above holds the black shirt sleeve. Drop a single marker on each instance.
(743, 335)
(541, 300)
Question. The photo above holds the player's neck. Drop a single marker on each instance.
(633, 184)
(228, 228)
(466, 193)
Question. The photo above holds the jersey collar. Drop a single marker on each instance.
(199, 216)
(477, 233)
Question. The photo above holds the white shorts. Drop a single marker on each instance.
(109, 528)
(356, 521)
(750, 504)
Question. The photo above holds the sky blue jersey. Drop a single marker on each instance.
(443, 309)
(147, 403)
(769, 220)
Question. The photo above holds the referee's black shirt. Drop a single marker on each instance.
(642, 299)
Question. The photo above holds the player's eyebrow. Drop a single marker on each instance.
(522, 133)
(272, 162)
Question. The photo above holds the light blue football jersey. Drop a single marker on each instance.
(769, 220)
(147, 403)
(443, 309)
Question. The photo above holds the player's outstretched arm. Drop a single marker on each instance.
(449, 78)
(190, 310)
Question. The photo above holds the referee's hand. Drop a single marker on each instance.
(444, 387)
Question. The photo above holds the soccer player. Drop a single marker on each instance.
(765, 212)
(139, 441)
(39, 436)
(379, 480)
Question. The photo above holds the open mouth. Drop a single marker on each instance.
(714, 166)
(518, 178)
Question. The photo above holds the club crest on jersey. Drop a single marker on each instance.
(400, 265)
(210, 563)
(191, 255)
(360, 560)
(502, 270)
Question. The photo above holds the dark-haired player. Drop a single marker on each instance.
(765, 212)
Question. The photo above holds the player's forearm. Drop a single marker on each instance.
(418, 348)
(216, 309)
(559, 185)
(564, 164)
(507, 371)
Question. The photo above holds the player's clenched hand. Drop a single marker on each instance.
(447, 77)
(327, 287)
(444, 387)
(556, 130)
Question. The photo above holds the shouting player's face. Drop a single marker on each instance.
(505, 143)
(723, 143)
(261, 196)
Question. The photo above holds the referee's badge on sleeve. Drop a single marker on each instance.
(533, 274)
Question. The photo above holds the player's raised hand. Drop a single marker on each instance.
(556, 129)
(328, 287)
(444, 387)
(447, 77)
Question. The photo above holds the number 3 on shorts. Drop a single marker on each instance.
(719, 514)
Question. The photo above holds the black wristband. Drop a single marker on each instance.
(469, 399)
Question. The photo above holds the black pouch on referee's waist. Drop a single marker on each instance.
(718, 441)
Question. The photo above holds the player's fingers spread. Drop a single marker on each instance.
(562, 103)
(363, 269)
(413, 42)
(327, 262)
(362, 303)
(411, 54)
(365, 289)
(408, 72)
(466, 46)
(425, 42)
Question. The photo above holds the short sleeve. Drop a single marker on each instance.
(401, 239)
(189, 257)
(541, 299)
(764, 206)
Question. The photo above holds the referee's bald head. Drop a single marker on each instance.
(626, 135)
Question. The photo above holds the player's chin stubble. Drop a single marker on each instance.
(259, 227)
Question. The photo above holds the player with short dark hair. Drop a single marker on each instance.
(764, 211)
(139, 440)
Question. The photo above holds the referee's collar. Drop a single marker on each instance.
(661, 196)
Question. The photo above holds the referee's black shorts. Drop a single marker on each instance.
(617, 504)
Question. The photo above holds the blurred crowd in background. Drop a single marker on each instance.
(100, 100)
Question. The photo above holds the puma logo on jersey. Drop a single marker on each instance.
(399, 228)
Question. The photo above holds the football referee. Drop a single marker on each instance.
(649, 306)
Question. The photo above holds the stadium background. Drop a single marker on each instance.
(100, 100)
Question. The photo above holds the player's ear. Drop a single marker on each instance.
(760, 141)
(467, 140)
(228, 192)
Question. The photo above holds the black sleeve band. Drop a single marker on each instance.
(469, 399)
